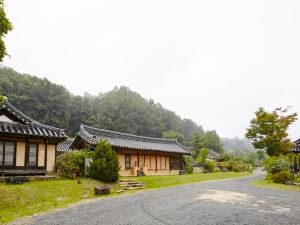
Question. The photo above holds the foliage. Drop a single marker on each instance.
(120, 109)
(268, 130)
(69, 162)
(208, 139)
(189, 129)
(203, 153)
(239, 167)
(5, 27)
(209, 165)
(282, 177)
(276, 164)
(2, 99)
(105, 165)
(255, 158)
(235, 164)
(237, 144)
(38, 98)
(187, 164)
(170, 134)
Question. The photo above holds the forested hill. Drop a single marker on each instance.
(120, 110)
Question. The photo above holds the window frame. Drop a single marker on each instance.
(2, 163)
(127, 156)
(36, 155)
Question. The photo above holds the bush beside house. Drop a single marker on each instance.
(105, 164)
(69, 163)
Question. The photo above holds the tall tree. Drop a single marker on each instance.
(170, 134)
(5, 27)
(212, 141)
(268, 130)
(198, 142)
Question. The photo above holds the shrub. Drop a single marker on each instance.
(105, 165)
(69, 162)
(235, 166)
(209, 165)
(282, 177)
(240, 167)
(225, 165)
(187, 164)
(275, 165)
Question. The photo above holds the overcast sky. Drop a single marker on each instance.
(214, 62)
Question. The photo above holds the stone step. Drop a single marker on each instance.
(133, 188)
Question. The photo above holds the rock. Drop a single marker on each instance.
(103, 190)
(16, 180)
(140, 173)
(119, 191)
(182, 172)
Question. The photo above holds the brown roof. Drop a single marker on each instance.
(93, 136)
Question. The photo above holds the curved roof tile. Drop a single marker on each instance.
(122, 140)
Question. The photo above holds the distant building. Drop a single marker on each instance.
(213, 154)
(296, 159)
(149, 155)
(296, 148)
(26, 146)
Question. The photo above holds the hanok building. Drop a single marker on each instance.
(26, 146)
(296, 156)
(149, 155)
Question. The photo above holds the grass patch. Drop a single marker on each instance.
(40, 196)
(271, 185)
(167, 181)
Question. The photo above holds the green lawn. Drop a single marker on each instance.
(39, 196)
(267, 184)
(167, 181)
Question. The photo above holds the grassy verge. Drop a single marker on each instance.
(167, 181)
(39, 196)
(271, 185)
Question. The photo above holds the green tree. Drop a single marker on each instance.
(2, 98)
(212, 141)
(174, 135)
(5, 27)
(203, 153)
(105, 164)
(268, 130)
(198, 142)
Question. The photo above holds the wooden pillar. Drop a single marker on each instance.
(170, 162)
(156, 162)
(138, 158)
(46, 153)
(26, 154)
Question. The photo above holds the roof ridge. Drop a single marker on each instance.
(28, 119)
(82, 126)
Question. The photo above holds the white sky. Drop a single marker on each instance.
(214, 62)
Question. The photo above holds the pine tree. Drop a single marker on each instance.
(105, 165)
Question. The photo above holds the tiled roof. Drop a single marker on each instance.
(93, 136)
(27, 126)
(65, 146)
(213, 154)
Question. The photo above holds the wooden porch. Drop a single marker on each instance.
(22, 172)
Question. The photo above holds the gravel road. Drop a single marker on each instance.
(232, 201)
